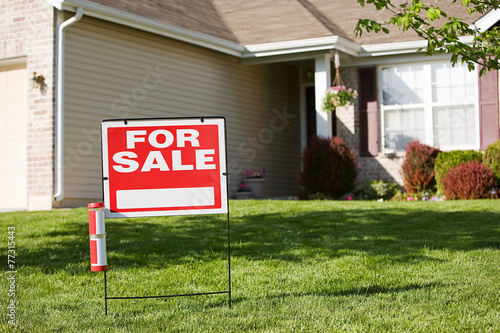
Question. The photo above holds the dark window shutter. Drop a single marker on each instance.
(488, 109)
(368, 111)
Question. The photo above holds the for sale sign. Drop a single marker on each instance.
(167, 166)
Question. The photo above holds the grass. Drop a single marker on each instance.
(317, 266)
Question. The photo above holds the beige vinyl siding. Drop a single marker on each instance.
(116, 72)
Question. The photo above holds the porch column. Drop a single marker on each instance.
(322, 81)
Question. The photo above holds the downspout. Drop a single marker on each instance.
(59, 120)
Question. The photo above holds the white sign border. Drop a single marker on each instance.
(178, 121)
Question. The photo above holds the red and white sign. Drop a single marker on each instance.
(161, 167)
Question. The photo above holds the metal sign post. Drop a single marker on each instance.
(162, 167)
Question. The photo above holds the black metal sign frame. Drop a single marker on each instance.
(224, 173)
(106, 297)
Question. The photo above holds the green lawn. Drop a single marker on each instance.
(297, 266)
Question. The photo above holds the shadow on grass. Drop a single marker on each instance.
(399, 236)
(362, 291)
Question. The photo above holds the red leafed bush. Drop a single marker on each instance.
(418, 167)
(329, 168)
(471, 180)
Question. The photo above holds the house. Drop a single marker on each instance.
(264, 65)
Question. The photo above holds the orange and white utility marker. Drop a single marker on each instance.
(97, 233)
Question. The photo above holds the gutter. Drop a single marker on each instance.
(488, 20)
(59, 120)
(385, 49)
(301, 46)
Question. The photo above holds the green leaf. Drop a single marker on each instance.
(442, 36)
(433, 14)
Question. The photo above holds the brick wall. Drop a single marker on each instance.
(348, 116)
(372, 168)
(27, 31)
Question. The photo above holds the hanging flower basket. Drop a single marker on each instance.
(338, 96)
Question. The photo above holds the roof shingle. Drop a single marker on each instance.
(266, 21)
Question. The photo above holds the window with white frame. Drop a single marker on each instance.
(432, 102)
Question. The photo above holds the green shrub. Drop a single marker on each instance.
(418, 167)
(491, 158)
(380, 189)
(469, 180)
(400, 196)
(445, 161)
(319, 196)
(329, 168)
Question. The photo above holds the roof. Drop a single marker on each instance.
(264, 21)
(197, 15)
(234, 24)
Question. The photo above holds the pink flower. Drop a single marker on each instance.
(243, 187)
(350, 198)
(253, 174)
(410, 199)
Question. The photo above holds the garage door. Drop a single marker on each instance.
(13, 137)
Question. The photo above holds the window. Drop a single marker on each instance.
(433, 102)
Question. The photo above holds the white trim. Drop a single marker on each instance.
(488, 20)
(384, 49)
(13, 61)
(428, 107)
(57, 4)
(394, 59)
(392, 48)
(322, 80)
(300, 46)
(428, 110)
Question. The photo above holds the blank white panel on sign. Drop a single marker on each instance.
(165, 197)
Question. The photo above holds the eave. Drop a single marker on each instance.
(488, 20)
(254, 53)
